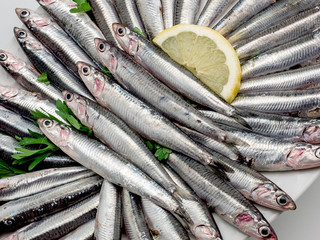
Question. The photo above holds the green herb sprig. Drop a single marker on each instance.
(159, 152)
(8, 171)
(107, 72)
(43, 78)
(137, 30)
(83, 6)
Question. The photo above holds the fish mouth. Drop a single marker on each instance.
(115, 26)
(80, 65)
(18, 11)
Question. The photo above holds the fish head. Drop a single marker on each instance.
(27, 40)
(32, 19)
(272, 196)
(46, 2)
(253, 224)
(311, 134)
(107, 53)
(127, 39)
(203, 232)
(10, 62)
(7, 92)
(303, 156)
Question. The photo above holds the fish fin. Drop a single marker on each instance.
(220, 170)
(181, 196)
(235, 141)
(239, 119)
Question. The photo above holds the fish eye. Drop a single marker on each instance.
(282, 200)
(264, 231)
(24, 13)
(102, 47)
(47, 123)
(317, 152)
(3, 56)
(22, 34)
(86, 71)
(121, 31)
(69, 96)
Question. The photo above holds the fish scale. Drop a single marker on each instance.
(168, 12)
(186, 11)
(83, 232)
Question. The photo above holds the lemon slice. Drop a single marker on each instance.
(207, 54)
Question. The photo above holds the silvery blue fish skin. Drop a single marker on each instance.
(139, 116)
(283, 35)
(151, 15)
(78, 25)
(54, 38)
(138, 81)
(297, 79)
(283, 57)
(118, 136)
(227, 202)
(277, 126)
(108, 218)
(129, 14)
(240, 13)
(15, 125)
(97, 157)
(27, 76)
(171, 73)
(35, 182)
(133, 217)
(20, 212)
(273, 14)
(186, 11)
(57, 225)
(83, 232)
(168, 13)
(45, 62)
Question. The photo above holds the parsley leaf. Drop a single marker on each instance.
(43, 78)
(107, 72)
(83, 6)
(137, 30)
(159, 152)
(8, 171)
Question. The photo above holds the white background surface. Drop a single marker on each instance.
(301, 224)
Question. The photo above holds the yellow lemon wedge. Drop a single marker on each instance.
(207, 54)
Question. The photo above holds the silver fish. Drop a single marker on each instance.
(20, 212)
(118, 136)
(275, 13)
(297, 79)
(283, 35)
(54, 38)
(214, 11)
(151, 15)
(15, 125)
(304, 103)
(129, 14)
(138, 115)
(133, 217)
(97, 157)
(226, 200)
(83, 232)
(45, 62)
(171, 73)
(202, 5)
(186, 11)
(35, 182)
(168, 13)
(105, 14)
(78, 25)
(108, 218)
(283, 57)
(162, 224)
(61, 223)
(277, 126)
(27, 76)
(240, 13)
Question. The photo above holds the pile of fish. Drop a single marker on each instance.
(97, 184)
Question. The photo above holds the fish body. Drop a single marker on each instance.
(168, 13)
(83, 232)
(186, 11)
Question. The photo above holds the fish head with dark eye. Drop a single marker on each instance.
(127, 39)
(253, 224)
(311, 134)
(27, 40)
(46, 2)
(203, 232)
(56, 132)
(303, 156)
(10, 62)
(32, 19)
(273, 197)
(107, 54)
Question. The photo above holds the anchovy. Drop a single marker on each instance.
(139, 116)
(226, 200)
(162, 224)
(298, 79)
(108, 219)
(276, 13)
(133, 217)
(105, 14)
(304, 103)
(45, 62)
(83, 232)
(283, 35)
(78, 25)
(202, 5)
(286, 56)
(203, 226)
(168, 13)
(214, 11)
(118, 136)
(186, 11)
(138, 81)
(240, 13)
(35, 182)
(97, 157)
(277, 126)
(57, 225)
(54, 38)
(17, 213)
(15, 125)
(151, 15)
(171, 73)
(27, 76)
(129, 14)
